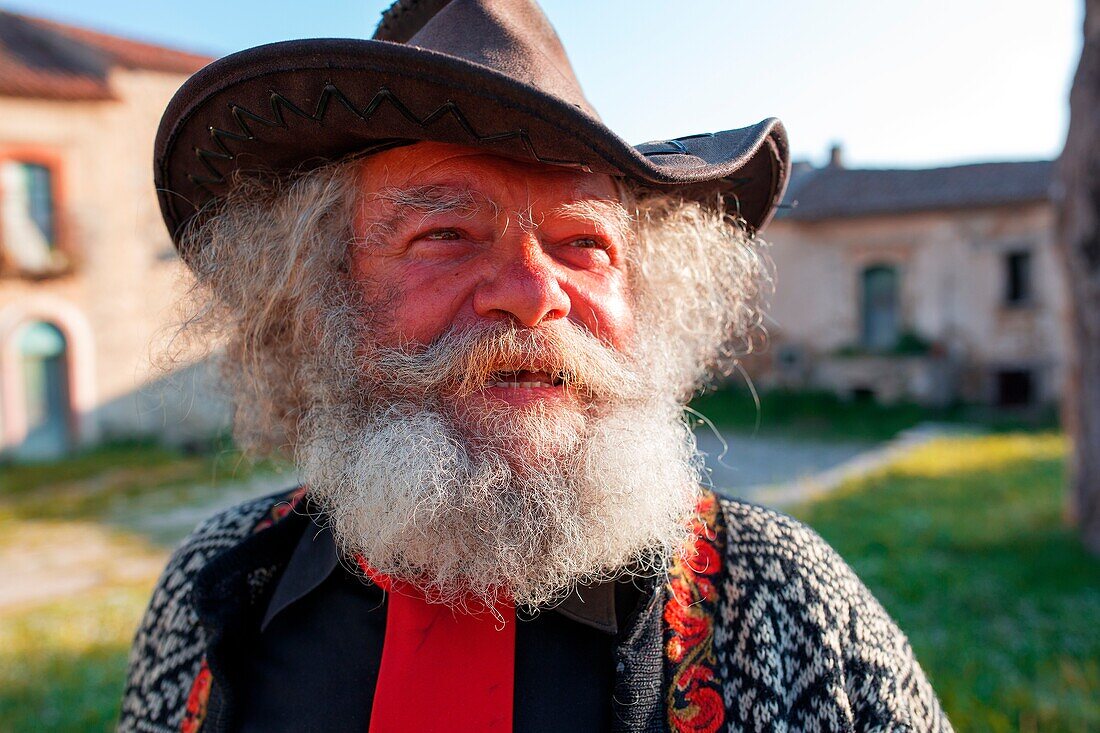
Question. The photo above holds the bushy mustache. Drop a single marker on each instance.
(466, 358)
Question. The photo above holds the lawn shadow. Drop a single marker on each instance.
(144, 490)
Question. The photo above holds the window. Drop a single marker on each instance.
(880, 316)
(1017, 271)
(1015, 387)
(28, 217)
(863, 394)
(44, 358)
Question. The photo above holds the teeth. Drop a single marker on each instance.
(518, 385)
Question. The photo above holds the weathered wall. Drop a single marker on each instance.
(952, 287)
(117, 303)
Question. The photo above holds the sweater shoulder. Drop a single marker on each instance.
(798, 628)
(169, 645)
(762, 534)
(774, 557)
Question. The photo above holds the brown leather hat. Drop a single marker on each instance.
(485, 73)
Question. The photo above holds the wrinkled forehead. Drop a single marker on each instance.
(442, 166)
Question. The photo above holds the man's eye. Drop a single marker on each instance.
(442, 235)
(589, 243)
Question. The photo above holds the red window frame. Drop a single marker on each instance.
(51, 160)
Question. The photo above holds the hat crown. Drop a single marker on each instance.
(513, 37)
(490, 74)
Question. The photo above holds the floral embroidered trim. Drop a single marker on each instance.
(196, 700)
(694, 698)
(199, 696)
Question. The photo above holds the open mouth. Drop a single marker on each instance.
(525, 379)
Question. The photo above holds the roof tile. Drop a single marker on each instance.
(835, 192)
(50, 60)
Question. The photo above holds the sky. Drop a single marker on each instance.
(910, 84)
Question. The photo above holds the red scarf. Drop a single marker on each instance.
(442, 669)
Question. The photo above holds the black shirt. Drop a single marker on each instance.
(314, 663)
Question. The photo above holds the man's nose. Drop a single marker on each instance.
(522, 284)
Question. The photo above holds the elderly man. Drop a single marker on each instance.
(472, 314)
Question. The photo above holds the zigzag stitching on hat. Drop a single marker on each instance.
(279, 103)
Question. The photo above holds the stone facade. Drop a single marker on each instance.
(975, 294)
(111, 293)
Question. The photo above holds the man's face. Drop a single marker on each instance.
(493, 415)
(452, 237)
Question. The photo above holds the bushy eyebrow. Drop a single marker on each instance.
(424, 201)
(603, 213)
(433, 199)
(401, 205)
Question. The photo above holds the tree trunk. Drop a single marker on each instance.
(1079, 244)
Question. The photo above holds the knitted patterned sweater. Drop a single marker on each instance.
(763, 628)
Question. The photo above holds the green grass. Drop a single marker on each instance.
(964, 544)
(62, 664)
(825, 416)
(91, 484)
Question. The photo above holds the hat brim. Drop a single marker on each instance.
(298, 104)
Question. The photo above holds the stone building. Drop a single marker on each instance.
(88, 276)
(934, 284)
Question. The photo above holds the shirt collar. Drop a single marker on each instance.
(315, 558)
(592, 605)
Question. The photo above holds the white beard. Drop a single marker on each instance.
(547, 501)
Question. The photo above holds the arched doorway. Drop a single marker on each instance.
(47, 407)
(881, 316)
